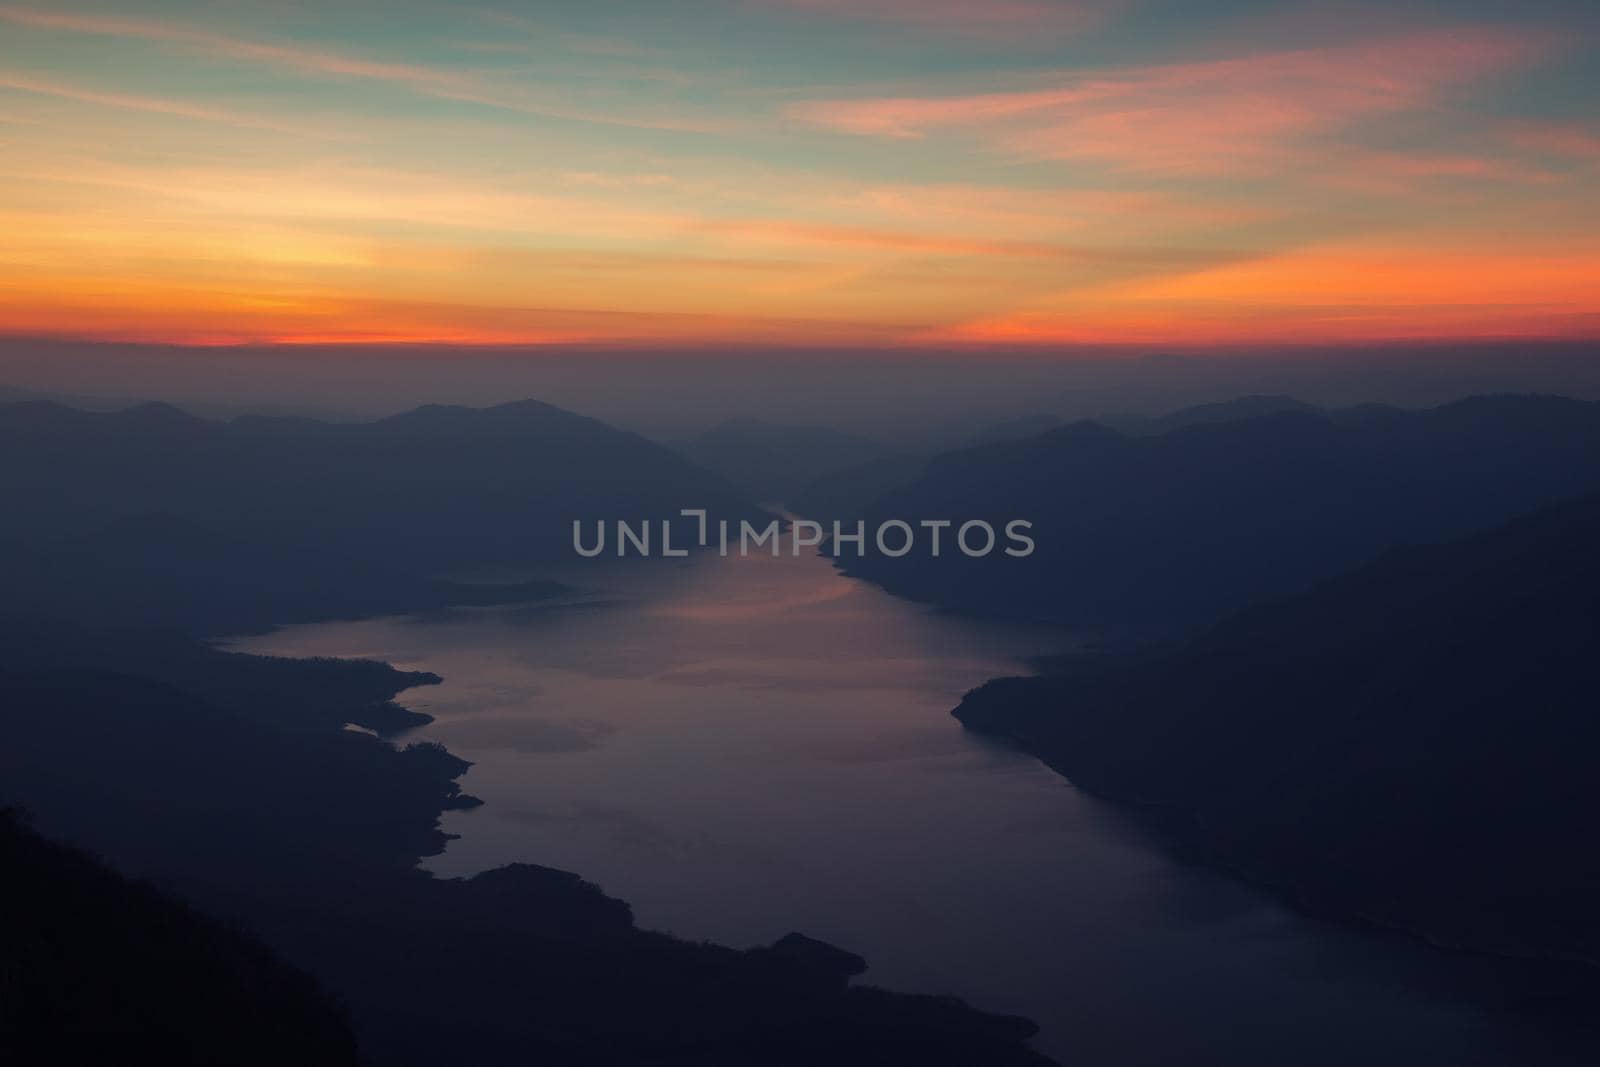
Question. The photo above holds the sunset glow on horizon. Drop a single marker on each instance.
(799, 172)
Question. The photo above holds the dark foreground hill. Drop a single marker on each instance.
(1181, 527)
(229, 780)
(100, 969)
(1413, 743)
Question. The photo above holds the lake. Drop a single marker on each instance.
(744, 747)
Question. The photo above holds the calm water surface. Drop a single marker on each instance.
(740, 748)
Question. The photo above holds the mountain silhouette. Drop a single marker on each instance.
(772, 462)
(99, 968)
(1412, 743)
(1016, 429)
(214, 579)
(150, 514)
(438, 486)
(229, 780)
(850, 492)
(1244, 407)
(518, 416)
(1173, 529)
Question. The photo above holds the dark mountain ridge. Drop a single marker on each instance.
(772, 462)
(1244, 407)
(151, 515)
(1166, 531)
(99, 968)
(1411, 743)
(432, 487)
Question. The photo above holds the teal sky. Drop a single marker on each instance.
(799, 171)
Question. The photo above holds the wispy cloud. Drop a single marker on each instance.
(535, 31)
(429, 80)
(1220, 115)
(1408, 173)
(313, 60)
(1333, 292)
(235, 312)
(1570, 140)
(911, 117)
(894, 240)
(991, 19)
(346, 195)
(1375, 184)
(152, 104)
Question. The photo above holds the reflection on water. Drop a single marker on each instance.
(742, 747)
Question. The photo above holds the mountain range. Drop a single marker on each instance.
(771, 462)
(1166, 531)
(152, 515)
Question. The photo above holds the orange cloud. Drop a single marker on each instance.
(428, 228)
(1327, 294)
(216, 315)
(1432, 176)
(1395, 276)
(1247, 328)
(910, 117)
(1570, 140)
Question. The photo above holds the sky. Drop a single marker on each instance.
(870, 173)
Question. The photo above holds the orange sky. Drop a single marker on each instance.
(781, 172)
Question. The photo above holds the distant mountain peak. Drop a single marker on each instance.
(1083, 430)
(38, 409)
(528, 406)
(744, 422)
(430, 412)
(155, 413)
(1270, 400)
(1531, 402)
(149, 416)
(516, 412)
(1017, 428)
(1244, 407)
(772, 461)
